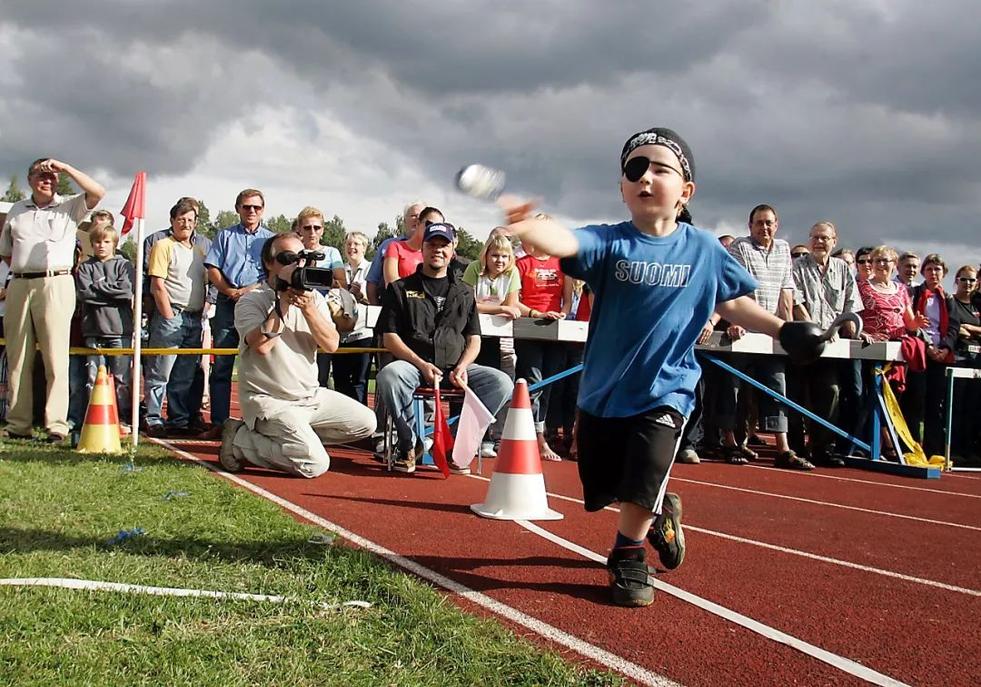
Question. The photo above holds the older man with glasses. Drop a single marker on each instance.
(234, 264)
(824, 288)
(38, 243)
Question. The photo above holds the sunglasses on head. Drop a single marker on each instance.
(635, 167)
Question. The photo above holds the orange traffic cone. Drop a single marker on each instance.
(517, 488)
(100, 431)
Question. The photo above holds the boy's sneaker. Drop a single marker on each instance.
(631, 583)
(226, 454)
(666, 535)
(488, 450)
(458, 470)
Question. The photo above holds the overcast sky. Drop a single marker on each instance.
(864, 112)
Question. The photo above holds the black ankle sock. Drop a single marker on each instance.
(623, 542)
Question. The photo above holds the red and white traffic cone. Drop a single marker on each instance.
(517, 487)
(100, 431)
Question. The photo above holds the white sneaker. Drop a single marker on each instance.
(689, 456)
(487, 450)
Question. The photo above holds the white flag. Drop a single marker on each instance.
(474, 421)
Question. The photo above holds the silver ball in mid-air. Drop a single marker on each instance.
(480, 181)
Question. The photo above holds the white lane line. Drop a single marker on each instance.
(795, 552)
(834, 660)
(101, 586)
(827, 503)
(868, 481)
(594, 653)
(838, 561)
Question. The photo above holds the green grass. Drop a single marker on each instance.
(58, 511)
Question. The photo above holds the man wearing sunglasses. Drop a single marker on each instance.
(234, 264)
(38, 243)
(287, 415)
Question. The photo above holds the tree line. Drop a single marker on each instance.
(334, 229)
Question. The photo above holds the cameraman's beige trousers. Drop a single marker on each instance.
(290, 435)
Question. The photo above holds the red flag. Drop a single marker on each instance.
(442, 439)
(135, 207)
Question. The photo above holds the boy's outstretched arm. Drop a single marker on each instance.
(747, 313)
(802, 341)
(544, 234)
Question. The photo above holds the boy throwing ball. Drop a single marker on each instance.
(656, 280)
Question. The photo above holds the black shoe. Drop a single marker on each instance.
(156, 431)
(827, 459)
(631, 583)
(19, 437)
(666, 535)
(55, 438)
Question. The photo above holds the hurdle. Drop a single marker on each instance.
(953, 373)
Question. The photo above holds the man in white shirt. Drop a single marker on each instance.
(767, 258)
(824, 289)
(38, 242)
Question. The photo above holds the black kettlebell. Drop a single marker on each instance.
(802, 341)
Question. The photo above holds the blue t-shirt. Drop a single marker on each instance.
(332, 258)
(376, 271)
(653, 295)
(238, 254)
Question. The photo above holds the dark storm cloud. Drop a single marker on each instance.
(867, 113)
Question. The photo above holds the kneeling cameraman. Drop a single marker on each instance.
(288, 416)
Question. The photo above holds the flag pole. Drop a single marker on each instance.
(137, 378)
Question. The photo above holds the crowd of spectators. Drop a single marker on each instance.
(58, 252)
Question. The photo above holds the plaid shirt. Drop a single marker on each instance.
(771, 268)
(825, 295)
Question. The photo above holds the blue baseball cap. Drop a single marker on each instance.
(439, 230)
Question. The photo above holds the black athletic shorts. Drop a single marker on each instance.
(627, 459)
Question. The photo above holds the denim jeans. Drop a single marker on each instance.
(78, 400)
(173, 373)
(769, 371)
(224, 335)
(351, 371)
(538, 360)
(117, 365)
(399, 379)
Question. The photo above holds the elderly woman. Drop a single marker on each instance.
(351, 369)
(964, 339)
(888, 314)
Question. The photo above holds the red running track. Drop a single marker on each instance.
(911, 613)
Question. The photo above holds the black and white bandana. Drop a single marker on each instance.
(662, 137)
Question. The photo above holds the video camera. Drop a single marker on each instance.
(305, 277)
